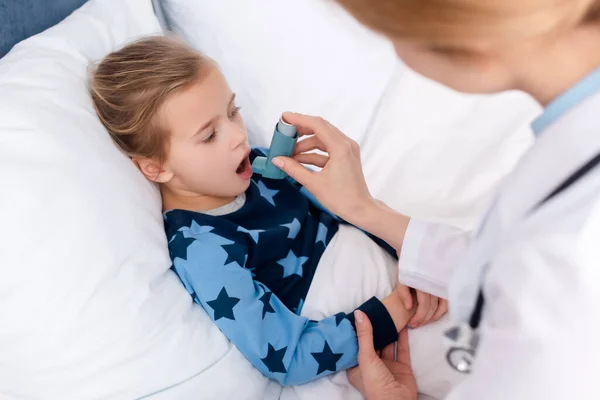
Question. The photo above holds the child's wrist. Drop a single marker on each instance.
(395, 308)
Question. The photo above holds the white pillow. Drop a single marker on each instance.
(88, 305)
(303, 55)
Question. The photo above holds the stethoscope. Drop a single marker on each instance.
(462, 340)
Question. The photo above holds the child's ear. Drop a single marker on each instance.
(153, 170)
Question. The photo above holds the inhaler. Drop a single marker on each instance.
(282, 144)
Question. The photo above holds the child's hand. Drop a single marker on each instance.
(429, 307)
(395, 304)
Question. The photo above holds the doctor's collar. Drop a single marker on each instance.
(566, 101)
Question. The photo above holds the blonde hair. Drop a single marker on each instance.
(129, 86)
(459, 22)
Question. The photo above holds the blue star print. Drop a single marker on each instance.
(235, 253)
(274, 359)
(223, 305)
(292, 264)
(327, 359)
(197, 228)
(266, 300)
(251, 269)
(207, 251)
(294, 228)
(267, 193)
(179, 245)
(339, 317)
(205, 234)
(252, 232)
(322, 234)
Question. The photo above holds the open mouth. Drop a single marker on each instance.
(243, 165)
(244, 170)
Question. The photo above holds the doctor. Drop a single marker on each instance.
(526, 295)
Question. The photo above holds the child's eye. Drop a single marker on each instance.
(210, 137)
(235, 112)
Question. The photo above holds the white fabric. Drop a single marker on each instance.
(352, 270)
(430, 254)
(88, 305)
(301, 55)
(439, 155)
(539, 271)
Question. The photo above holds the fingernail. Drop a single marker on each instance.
(277, 162)
(358, 316)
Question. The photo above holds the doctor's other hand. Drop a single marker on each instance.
(388, 377)
(430, 308)
(340, 186)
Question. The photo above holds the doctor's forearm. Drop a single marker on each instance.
(382, 221)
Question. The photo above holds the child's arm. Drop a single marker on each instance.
(282, 345)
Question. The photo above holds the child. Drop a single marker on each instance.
(245, 247)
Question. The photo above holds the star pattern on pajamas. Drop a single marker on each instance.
(339, 317)
(267, 193)
(254, 233)
(205, 235)
(197, 229)
(266, 300)
(223, 305)
(294, 228)
(327, 359)
(235, 253)
(274, 359)
(180, 245)
(292, 264)
(231, 265)
(322, 234)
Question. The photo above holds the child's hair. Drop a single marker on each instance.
(130, 85)
(459, 22)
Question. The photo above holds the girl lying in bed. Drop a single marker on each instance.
(246, 248)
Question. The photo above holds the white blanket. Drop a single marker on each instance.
(354, 269)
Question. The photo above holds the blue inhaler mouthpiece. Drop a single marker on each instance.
(284, 140)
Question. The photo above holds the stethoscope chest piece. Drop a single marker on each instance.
(461, 342)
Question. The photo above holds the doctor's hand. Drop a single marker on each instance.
(429, 307)
(340, 186)
(387, 378)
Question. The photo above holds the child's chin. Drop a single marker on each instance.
(244, 186)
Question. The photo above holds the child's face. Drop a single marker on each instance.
(208, 149)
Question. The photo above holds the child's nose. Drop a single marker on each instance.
(238, 136)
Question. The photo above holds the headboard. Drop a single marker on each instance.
(20, 19)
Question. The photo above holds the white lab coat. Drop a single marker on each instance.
(539, 272)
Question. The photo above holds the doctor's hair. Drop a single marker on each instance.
(129, 86)
(459, 22)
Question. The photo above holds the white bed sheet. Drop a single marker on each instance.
(354, 269)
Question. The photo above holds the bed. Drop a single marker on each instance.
(88, 303)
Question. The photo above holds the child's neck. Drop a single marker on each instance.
(185, 200)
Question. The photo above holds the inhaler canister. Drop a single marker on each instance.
(284, 140)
